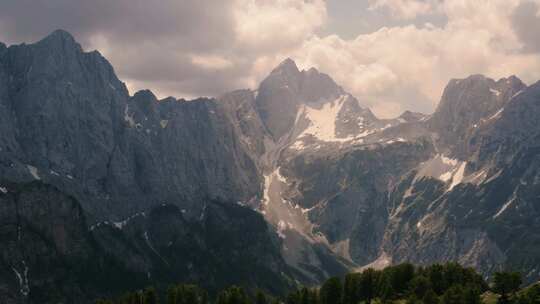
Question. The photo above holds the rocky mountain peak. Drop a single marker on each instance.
(318, 86)
(144, 95)
(409, 116)
(513, 81)
(60, 39)
(479, 94)
(467, 103)
(287, 66)
(145, 100)
(286, 88)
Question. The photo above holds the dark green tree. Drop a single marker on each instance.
(386, 290)
(203, 296)
(305, 296)
(368, 285)
(412, 299)
(331, 291)
(260, 297)
(419, 286)
(506, 284)
(237, 295)
(190, 294)
(293, 297)
(223, 297)
(171, 295)
(351, 286)
(150, 296)
(472, 295)
(435, 274)
(400, 277)
(532, 294)
(430, 297)
(453, 295)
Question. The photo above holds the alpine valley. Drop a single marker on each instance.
(102, 192)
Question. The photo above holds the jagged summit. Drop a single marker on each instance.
(482, 79)
(60, 38)
(287, 63)
(144, 94)
(469, 103)
(286, 89)
(61, 34)
(287, 69)
(409, 116)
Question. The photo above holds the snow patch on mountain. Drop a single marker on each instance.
(129, 117)
(323, 120)
(316, 124)
(22, 277)
(280, 211)
(439, 167)
(496, 115)
(34, 171)
(495, 92)
(458, 176)
(445, 169)
(506, 205)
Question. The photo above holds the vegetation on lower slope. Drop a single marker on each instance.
(401, 284)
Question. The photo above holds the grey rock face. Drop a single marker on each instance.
(514, 129)
(409, 116)
(464, 106)
(69, 123)
(69, 119)
(50, 254)
(477, 220)
(281, 93)
(397, 190)
(345, 191)
(252, 133)
(276, 101)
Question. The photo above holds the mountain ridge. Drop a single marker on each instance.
(336, 187)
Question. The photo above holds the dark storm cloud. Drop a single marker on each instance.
(526, 24)
(147, 41)
(123, 20)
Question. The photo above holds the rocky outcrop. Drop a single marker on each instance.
(69, 125)
(285, 89)
(50, 253)
(344, 192)
(470, 209)
(465, 106)
(70, 122)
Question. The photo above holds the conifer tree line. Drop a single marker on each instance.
(404, 284)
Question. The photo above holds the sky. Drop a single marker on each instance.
(393, 55)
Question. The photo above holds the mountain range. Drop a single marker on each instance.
(291, 183)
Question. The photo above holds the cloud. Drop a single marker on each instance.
(407, 67)
(407, 9)
(182, 48)
(204, 48)
(526, 24)
(274, 25)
